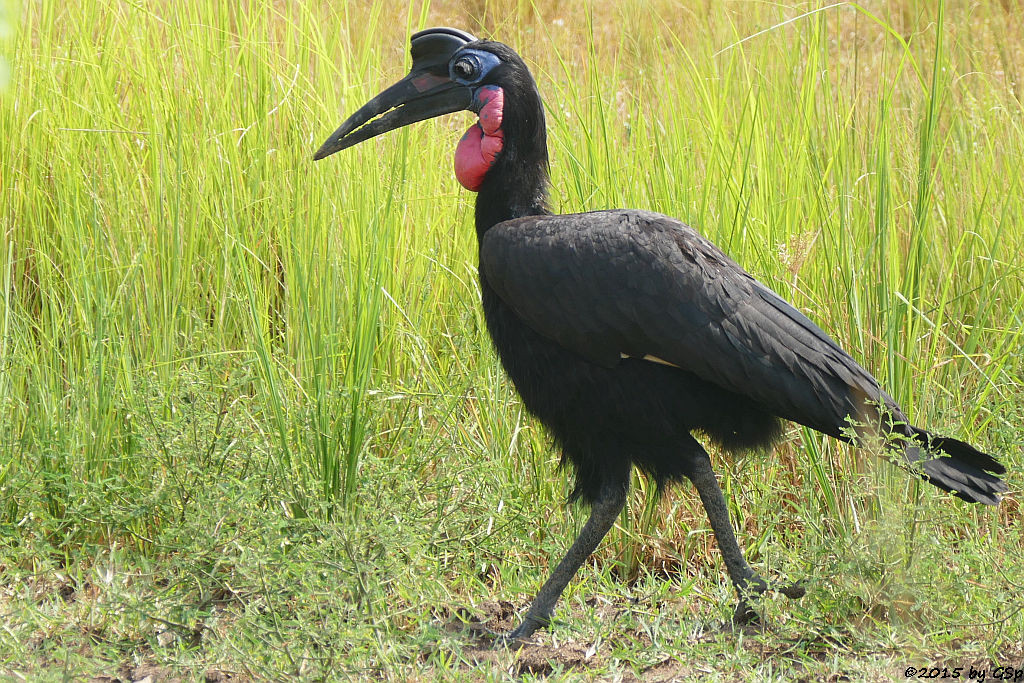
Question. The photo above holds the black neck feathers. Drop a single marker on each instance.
(517, 184)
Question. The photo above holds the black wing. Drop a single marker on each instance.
(608, 283)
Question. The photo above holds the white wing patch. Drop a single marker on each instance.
(653, 359)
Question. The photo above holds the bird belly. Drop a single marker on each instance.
(606, 419)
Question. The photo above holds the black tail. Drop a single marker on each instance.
(962, 469)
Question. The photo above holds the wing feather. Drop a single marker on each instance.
(609, 283)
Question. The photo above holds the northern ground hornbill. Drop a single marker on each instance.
(626, 331)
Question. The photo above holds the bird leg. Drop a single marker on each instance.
(603, 513)
(746, 580)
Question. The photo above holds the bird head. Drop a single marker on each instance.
(453, 71)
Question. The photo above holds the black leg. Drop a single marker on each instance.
(746, 580)
(603, 514)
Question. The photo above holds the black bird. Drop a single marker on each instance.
(626, 331)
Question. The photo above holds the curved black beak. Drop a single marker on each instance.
(426, 92)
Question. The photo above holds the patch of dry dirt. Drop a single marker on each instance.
(543, 656)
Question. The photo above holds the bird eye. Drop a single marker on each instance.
(465, 69)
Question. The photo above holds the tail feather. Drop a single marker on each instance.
(962, 469)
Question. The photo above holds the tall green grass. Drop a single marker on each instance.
(187, 299)
(161, 209)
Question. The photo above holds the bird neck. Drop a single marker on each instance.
(504, 196)
(516, 184)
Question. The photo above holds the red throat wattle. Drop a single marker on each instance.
(482, 143)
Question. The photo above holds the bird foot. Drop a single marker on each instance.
(745, 614)
(792, 591)
(507, 641)
(519, 636)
